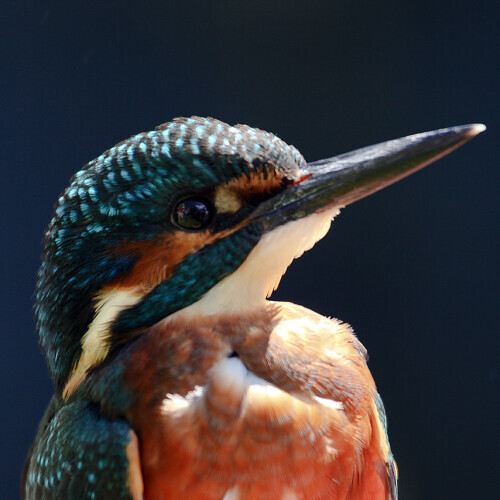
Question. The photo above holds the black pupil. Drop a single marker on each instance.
(192, 214)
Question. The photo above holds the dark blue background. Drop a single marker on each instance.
(412, 268)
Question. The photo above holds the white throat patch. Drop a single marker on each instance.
(260, 274)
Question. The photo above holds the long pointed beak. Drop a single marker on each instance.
(344, 179)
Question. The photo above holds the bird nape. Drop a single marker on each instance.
(175, 377)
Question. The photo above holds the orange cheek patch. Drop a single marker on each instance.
(231, 196)
(158, 258)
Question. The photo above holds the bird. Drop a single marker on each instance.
(175, 376)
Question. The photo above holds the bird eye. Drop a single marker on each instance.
(193, 213)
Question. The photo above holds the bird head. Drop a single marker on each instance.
(196, 217)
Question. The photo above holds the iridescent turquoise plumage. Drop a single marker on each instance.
(78, 454)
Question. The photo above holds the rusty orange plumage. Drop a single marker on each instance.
(314, 421)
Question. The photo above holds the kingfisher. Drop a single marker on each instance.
(175, 377)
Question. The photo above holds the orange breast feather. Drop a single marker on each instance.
(278, 404)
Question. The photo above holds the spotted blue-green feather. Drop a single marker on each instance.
(78, 454)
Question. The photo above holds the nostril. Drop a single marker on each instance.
(233, 354)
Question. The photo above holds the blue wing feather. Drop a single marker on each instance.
(77, 454)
